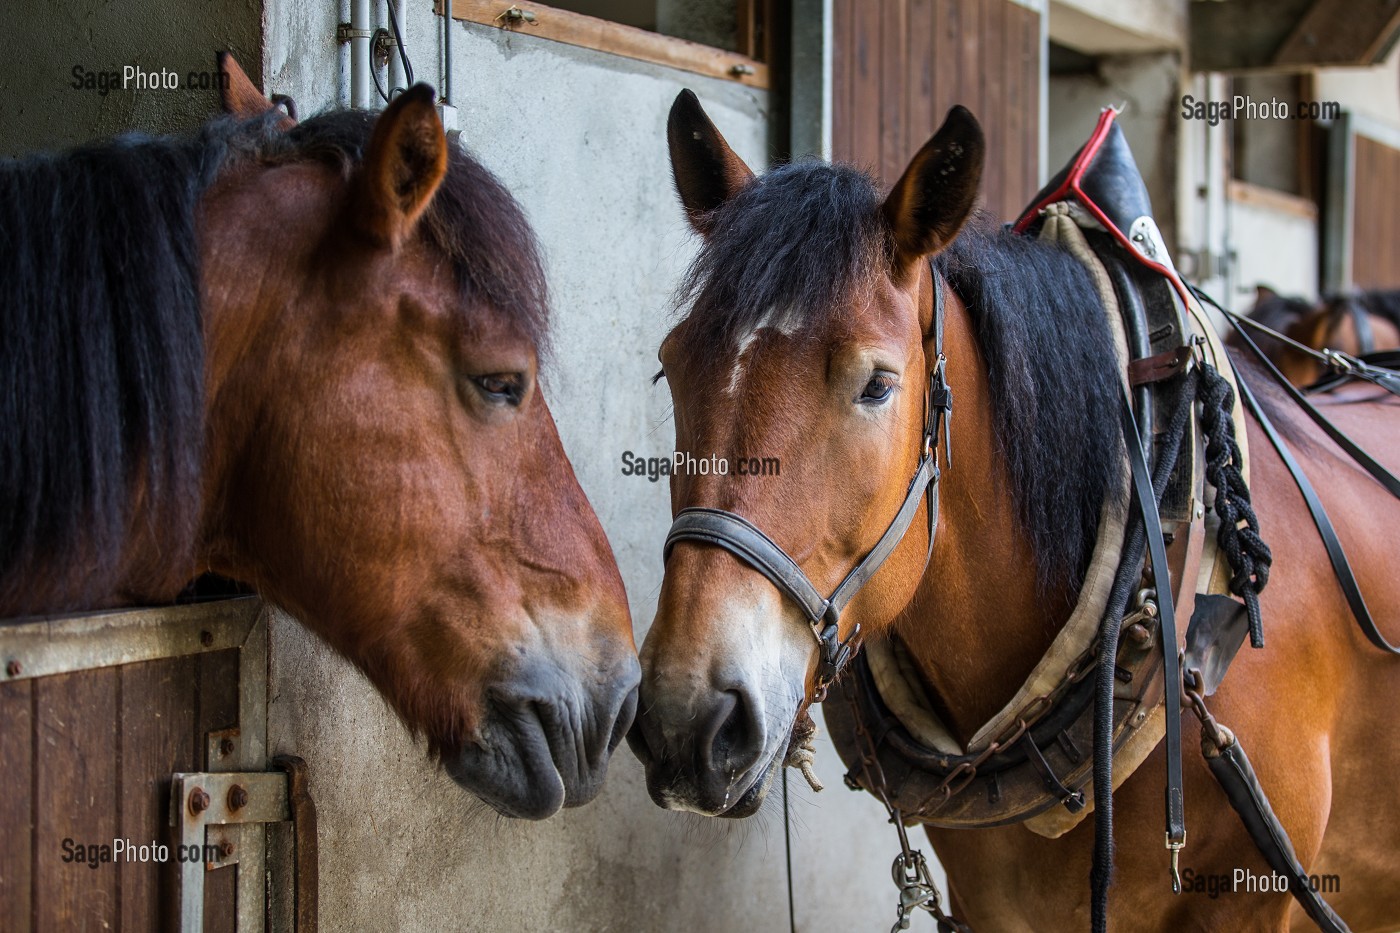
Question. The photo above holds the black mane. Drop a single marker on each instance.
(101, 344)
(1053, 373)
(808, 236)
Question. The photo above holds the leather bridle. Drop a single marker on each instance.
(746, 541)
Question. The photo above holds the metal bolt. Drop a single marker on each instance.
(199, 800)
(740, 70)
(1139, 634)
(225, 849)
(225, 747)
(206, 638)
(237, 797)
(13, 668)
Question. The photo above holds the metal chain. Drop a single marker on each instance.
(910, 869)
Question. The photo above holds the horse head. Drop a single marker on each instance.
(808, 343)
(380, 458)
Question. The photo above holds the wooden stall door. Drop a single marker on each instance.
(1362, 225)
(96, 713)
(898, 65)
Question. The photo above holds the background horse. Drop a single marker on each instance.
(306, 359)
(809, 339)
(1355, 324)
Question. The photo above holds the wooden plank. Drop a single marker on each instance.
(994, 101)
(157, 722)
(1033, 77)
(865, 97)
(918, 88)
(16, 805)
(1374, 224)
(1018, 147)
(842, 78)
(947, 47)
(221, 900)
(590, 32)
(1342, 32)
(57, 645)
(76, 797)
(894, 85)
(970, 57)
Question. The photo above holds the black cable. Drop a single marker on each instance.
(397, 38)
(373, 69)
(787, 850)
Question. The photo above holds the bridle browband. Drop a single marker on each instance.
(746, 541)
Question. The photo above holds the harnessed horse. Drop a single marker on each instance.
(820, 332)
(1361, 324)
(304, 357)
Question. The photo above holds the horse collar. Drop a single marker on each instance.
(749, 543)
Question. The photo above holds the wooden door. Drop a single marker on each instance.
(898, 65)
(96, 713)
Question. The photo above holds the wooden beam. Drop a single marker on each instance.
(1342, 32)
(590, 32)
(1241, 35)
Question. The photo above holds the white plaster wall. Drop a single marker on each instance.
(1271, 247)
(1374, 91)
(579, 137)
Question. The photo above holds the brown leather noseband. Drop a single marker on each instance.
(746, 541)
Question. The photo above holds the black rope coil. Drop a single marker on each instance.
(1238, 535)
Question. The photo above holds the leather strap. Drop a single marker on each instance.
(1383, 476)
(1341, 568)
(1146, 501)
(1361, 320)
(1237, 778)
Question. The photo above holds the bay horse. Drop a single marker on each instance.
(305, 357)
(1366, 322)
(810, 337)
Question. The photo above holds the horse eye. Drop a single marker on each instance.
(878, 389)
(502, 388)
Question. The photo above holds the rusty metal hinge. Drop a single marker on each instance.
(209, 811)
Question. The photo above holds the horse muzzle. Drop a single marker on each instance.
(710, 754)
(547, 739)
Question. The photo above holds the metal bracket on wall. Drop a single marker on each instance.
(207, 809)
(344, 32)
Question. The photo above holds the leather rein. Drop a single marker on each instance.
(748, 542)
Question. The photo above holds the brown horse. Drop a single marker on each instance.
(305, 358)
(809, 339)
(1354, 324)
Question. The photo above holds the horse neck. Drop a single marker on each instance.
(247, 303)
(978, 622)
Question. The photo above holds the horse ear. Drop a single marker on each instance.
(707, 171)
(935, 195)
(238, 94)
(1263, 293)
(404, 165)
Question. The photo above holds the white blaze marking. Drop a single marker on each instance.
(784, 321)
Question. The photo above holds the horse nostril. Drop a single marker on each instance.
(737, 740)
